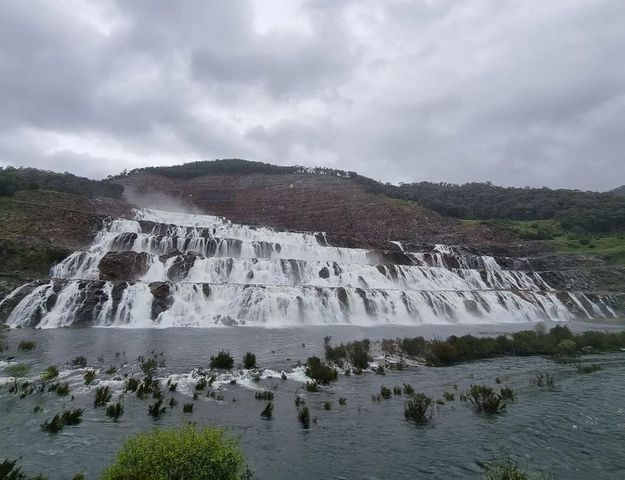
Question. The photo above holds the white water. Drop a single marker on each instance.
(258, 276)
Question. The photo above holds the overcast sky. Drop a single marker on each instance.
(519, 92)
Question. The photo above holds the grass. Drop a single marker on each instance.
(385, 392)
(264, 395)
(507, 469)
(79, 362)
(303, 416)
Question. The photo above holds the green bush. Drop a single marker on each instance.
(419, 407)
(26, 346)
(320, 371)
(485, 399)
(114, 410)
(50, 373)
(189, 453)
(268, 411)
(589, 368)
(18, 370)
(10, 470)
(89, 377)
(79, 362)
(249, 360)
(223, 360)
(102, 396)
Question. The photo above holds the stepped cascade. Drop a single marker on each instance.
(167, 269)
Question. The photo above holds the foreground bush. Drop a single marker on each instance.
(419, 408)
(485, 399)
(507, 469)
(249, 360)
(10, 470)
(189, 453)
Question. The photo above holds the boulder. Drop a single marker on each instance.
(127, 266)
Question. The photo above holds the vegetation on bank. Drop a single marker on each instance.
(559, 341)
(16, 179)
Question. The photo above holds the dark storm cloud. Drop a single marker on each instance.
(517, 92)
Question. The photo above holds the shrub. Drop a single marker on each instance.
(115, 410)
(418, 408)
(320, 371)
(327, 405)
(397, 390)
(102, 396)
(50, 373)
(507, 394)
(62, 389)
(589, 368)
(249, 360)
(26, 346)
(223, 360)
(506, 469)
(567, 347)
(156, 409)
(342, 401)
(18, 370)
(89, 377)
(189, 453)
(187, 408)
(267, 412)
(264, 395)
(112, 370)
(449, 396)
(312, 386)
(385, 392)
(148, 365)
(304, 416)
(79, 362)
(10, 470)
(132, 384)
(543, 380)
(408, 389)
(485, 399)
(201, 385)
(67, 417)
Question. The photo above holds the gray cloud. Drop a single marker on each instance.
(519, 92)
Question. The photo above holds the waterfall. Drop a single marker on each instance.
(167, 269)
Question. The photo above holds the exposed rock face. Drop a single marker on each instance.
(163, 299)
(180, 267)
(126, 265)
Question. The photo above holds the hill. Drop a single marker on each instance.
(619, 191)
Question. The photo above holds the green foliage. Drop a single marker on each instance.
(223, 360)
(132, 384)
(485, 399)
(115, 410)
(408, 389)
(10, 470)
(588, 368)
(187, 408)
(559, 341)
(327, 406)
(249, 360)
(102, 396)
(264, 395)
(542, 380)
(385, 392)
(506, 469)
(15, 179)
(89, 377)
(79, 362)
(320, 371)
(50, 373)
(156, 409)
(356, 352)
(188, 452)
(26, 346)
(312, 386)
(62, 389)
(67, 417)
(342, 401)
(18, 370)
(419, 407)
(268, 411)
(449, 396)
(303, 416)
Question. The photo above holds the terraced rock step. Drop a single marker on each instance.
(168, 269)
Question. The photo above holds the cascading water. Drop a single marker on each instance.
(168, 269)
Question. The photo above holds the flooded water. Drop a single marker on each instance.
(575, 430)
